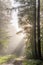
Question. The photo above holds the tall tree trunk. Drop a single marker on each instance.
(38, 23)
(35, 29)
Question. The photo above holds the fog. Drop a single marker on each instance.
(13, 28)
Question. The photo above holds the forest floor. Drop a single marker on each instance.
(16, 61)
(20, 61)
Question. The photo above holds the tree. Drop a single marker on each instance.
(5, 17)
(28, 23)
(38, 24)
(41, 26)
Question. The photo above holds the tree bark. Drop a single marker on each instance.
(38, 23)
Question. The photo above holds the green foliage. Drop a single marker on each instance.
(26, 21)
(32, 62)
(4, 59)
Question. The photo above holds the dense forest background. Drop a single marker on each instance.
(27, 12)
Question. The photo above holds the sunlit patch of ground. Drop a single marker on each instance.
(4, 59)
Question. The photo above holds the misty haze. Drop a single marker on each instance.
(21, 32)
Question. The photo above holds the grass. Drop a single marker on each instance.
(4, 59)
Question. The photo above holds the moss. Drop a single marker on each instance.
(4, 59)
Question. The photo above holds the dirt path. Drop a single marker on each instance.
(18, 63)
(15, 63)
